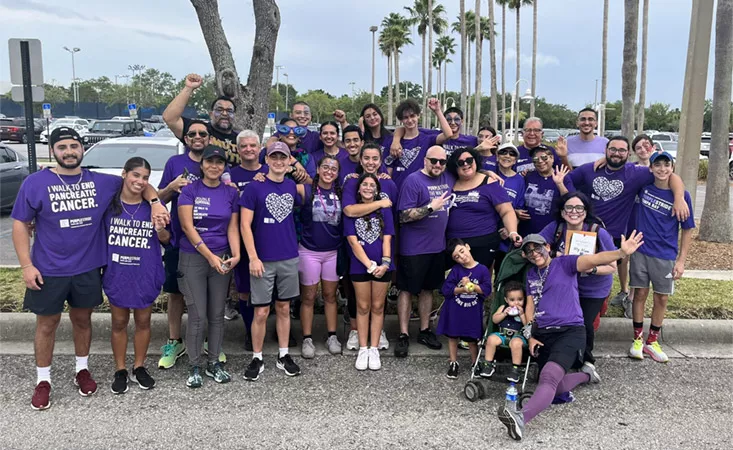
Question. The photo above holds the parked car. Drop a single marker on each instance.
(665, 137)
(80, 125)
(13, 170)
(551, 135)
(165, 132)
(106, 129)
(14, 130)
(666, 146)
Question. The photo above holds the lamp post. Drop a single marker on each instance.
(277, 88)
(373, 29)
(74, 88)
(127, 86)
(139, 69)
(287, 91)
(353, 91)
(527, 96)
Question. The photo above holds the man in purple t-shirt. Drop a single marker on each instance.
(532, 139)
(66, 204)
(423, 209)
(585, 147)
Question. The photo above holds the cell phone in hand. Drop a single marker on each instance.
(224, 257)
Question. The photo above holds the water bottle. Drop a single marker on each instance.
(511, 398)
(226, 178)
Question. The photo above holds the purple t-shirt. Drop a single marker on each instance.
(369, 235)
(583, 152)
(310, 142)
(304, 158)
(242, 177)
(542, 201)
(273, 224)
(320, 217)
(387, 187)
(175, 167)
(514, 187)
(612, 192)
(462, 314)
(490, 163)
(555, 293)
(212, 211)
(427, 235)
(134, 258)
(524, 162)
(411, 161)
(320, 153)
(474, 211)
(69, 217)
(659, 226)
(463, 140)
(589, 286)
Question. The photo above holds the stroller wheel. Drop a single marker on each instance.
(524, 397)
(472, 391)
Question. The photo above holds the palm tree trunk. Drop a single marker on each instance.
(430, 52)
(396, 56)
(424, 93)
(518, 102)
(628, 68)
(604, 71)
(463, 53)
(437, 85)
(445, 82)
(503, 69)
(642, 86)
(467, 110)
(390, 104)
(534, 57)
(492, 56)
(477, 91)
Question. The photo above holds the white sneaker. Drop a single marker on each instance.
(590, 369)
(353, 342)
(637, 349)
(362, 359)
(383, 341)
(375, 363)
(655, 351)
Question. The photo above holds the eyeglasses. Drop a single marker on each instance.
(619, 151)
(229, 111)
(298, 131)
(329, 168)
(587, 119)
(505, 151)
(465, 162)
(527, 251)
(437, 161)
(304, 112)
(544, 158)
(532, 130)
(453, 119)
(571, 208)
(193, 134)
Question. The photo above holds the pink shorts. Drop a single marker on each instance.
(316, 266)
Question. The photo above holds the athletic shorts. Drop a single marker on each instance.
(80, 291)
(644, 269)
(562, 345)
(283, 274)
(506, 339)
(170, 261)
(316, 266)
(364, 277)
(421, 272)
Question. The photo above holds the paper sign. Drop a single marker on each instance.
(580, 242)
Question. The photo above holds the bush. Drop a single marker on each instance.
(702, 170)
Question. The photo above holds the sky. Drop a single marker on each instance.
(326, 44)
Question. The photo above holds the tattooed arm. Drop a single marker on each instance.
(414, 214)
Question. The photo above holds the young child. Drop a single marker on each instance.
(465, 289)
(510, 318)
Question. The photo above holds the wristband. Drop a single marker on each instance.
(372, 268)
(154, 201)
(196, 247)
(26, 266)
(386, 260)
(594, 271)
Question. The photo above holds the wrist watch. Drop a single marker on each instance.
(154, 201)
(430, 209)
(594, 271)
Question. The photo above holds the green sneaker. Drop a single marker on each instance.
(222, 356)
(194, 380)
(170, 354)
(216, 372)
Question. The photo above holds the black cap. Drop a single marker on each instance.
(540, 148)
(61, 133)
(212, 151)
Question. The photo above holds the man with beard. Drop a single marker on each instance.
(66, 204)
(533, 139)
(585, 147)
(220, 127)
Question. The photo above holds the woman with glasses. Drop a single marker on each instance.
(514, 186)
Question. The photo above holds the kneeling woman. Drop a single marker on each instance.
(134, 273)
(370, 242)
(558, 335)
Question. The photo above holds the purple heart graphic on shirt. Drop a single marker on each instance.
(383, 196)
(607, 189)
(280, 206)
(367, 230)
(408, 156)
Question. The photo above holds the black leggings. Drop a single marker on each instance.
(591, 307)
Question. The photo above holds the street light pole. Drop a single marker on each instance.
(127, 86)
(74, 87)
(353, 91)
(526, 96)
(373, 29)
(277, 84)
(287, 91)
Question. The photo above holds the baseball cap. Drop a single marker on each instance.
(656, 155)
(533, 239)
(509, 146)
(61, 133)
(212, 151)
(278, 147)
(540, 148)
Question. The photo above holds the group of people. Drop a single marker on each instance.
(352, 208)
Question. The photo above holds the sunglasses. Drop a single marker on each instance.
(193, 134)
(437, 161)
(505, 151)
(465, 162)
(453, 119)
(298, 131)
(541, 157)
(571, 208)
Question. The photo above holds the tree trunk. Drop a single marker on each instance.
(390, 94)
(534, 57)
(445, 82)
(604, 70)
(437, 86)
(463, 53)
(251, 100)
(503, 70)
(424, 96)
(628, 68)
(430, 53)
(642, 85)
(396, 56)
(517, 102)
(467, 109)
(492, 56)
(477, 91)
(715, 223)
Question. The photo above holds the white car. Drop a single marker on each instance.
(80, 125)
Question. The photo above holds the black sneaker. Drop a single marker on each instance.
(403, 346)
(487, 369)
(248, 342)
(119, 385)
(513, 375)
(143, 379)
(452, 370)
(287, 365)
(429, 339)
(254, 369)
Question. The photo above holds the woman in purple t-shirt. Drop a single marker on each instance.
(488, 141)
(329, 133)
(133, 249)
(370, 245)
(371, 121)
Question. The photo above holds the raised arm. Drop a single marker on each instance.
(174, 111)
(434, 105)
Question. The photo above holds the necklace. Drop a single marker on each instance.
(543, 278)
(81, 175)
(605, 169)
(128, 212)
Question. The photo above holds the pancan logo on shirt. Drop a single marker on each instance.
(78, 222)
(72, 197)
(131, 233)
(126, 260)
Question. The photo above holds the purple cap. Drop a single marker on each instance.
(278, 147)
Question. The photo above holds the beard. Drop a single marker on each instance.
(228, 126)
(615, 165)
(61, 163)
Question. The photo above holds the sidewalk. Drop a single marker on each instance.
(718, 275)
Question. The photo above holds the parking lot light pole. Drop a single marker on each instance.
(74, 90)
(373, 29)
(287, 91)
(277, 87)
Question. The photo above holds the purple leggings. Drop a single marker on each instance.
(553, 381)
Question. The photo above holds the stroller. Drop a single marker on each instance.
(514, 267)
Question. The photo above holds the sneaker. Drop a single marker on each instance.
(383, 341)
(628, 306)
(637, 349)
(463, 345)
(194, 380)
(655, 351)
(41, 396)
(217, 372)
(403, 346)
(142, 377)
(513, 421)
(308, 350)
(565, 397)
(254, 369)
(287, 365)
(222, 355)
(514, 375)
(452, 370)
(392, 295)
(362, 359)
(119, 383)
(85, 382)
(618, 299)
(353, 342)
(375, 362)
(333, 345)
(590, 369)
(230, 313)
(170, 353)
(487, 369)
(429, 339)
(248, 342)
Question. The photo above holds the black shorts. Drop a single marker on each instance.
(483, 249)
(562, 345)
(421, 272)
(81, 291)
(170, 261)
(364, 277)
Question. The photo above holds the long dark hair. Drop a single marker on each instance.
(383, 131)
(131, 164)
(452, 166)
(377, 194)
(590, 217)
(368, 146)
(335, 185)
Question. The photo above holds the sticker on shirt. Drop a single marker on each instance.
(605, 189)
(367, 230)
(327, 213)
(72, 197)
(279, 206)
(540, 202)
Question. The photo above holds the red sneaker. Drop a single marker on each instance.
(41, 396)
(87, 385)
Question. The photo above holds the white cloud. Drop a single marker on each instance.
(526, 60)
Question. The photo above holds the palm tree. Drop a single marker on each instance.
(447, 45)
(503, 4)
(386, 47)
(462, 20)
(642, 86)
(517, 5)
(534, 57)
(628, 68)
(437, 60)
(484, 32)
(492, 56)
(604, 71)
(396, 30)
(469, 21)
